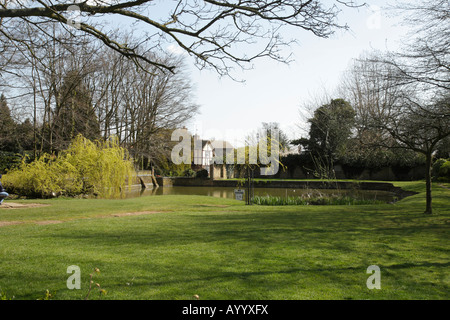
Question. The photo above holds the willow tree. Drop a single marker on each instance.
(97, 168)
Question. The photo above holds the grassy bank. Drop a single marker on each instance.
(178, 246)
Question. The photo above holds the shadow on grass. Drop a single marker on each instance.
(262, 230)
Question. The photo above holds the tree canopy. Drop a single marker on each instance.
(330, 129)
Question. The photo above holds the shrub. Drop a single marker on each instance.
(435, 168)
(169, 169)
(441, 170)
(189, 173)
(444, 172)
(9, 160)
(86, 167)
(202, 173)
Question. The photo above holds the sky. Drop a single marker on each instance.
(276, 92)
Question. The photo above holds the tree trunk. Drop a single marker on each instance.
(428, 209)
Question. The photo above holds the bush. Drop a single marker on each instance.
(441, 170)
(444, 172)
(202, 174)
(167, 168)
(189, 173)
(9, 160)
(86, 167)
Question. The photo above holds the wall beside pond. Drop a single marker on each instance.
(221, 171)
(184, 182)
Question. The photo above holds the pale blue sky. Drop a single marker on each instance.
(274, 92)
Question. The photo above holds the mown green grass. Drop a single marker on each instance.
(222, 249)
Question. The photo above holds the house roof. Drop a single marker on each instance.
(215, 144)
(204, 142)
(221, 144)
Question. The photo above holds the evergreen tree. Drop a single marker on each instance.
(331, 127)
(74, 113)
(24, 136)
(7, 127)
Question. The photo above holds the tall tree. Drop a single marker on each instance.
(153, 104)
(283, 140)
(418, 126)
(415, 84)
(7, 126)
(330, 129)
(74, 114)
(399, 115)
(425, 57)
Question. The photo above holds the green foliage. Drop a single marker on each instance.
(7, 126)
(189, 173)
(14, 137)
(435, 168)
(315, 200)
(330, 129)
(86, 167)
(47, 295)
(4, 297)
(166, 168)
(9, 160)
(441, 170)
(99, 288)
(202, 173)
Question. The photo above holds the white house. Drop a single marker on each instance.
(209, 149)
(203, 156)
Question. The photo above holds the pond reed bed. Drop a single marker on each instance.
(313, 200)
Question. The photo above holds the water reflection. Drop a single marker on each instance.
(228, 192)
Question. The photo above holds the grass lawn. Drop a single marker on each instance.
(221, 249)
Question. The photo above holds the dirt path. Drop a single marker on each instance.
(13, 205)
(47, 222)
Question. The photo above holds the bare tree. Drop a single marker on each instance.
(398, 113)
(153, 104)
(219, 34)
(425, 56)
(75, 87)
(417, 115)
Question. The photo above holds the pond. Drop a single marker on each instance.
(228, 192)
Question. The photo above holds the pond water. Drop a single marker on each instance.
(228, 192)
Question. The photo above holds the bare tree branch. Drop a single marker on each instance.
(219, 34)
